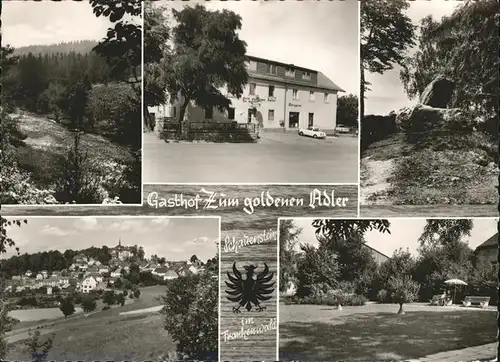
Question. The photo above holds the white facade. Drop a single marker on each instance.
(291, 106)
(88, 284)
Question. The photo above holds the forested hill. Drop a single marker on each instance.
(81, 46)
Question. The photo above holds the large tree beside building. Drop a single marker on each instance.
(207, 55)
(156, 57)
(386, 33)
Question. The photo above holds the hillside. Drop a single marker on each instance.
(81, 47)
(47, 143)
(395, 172)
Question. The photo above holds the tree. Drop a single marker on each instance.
(38, 350)
(88, 304)
(193, 259)
(196, 71)
(317, 269)
(445, 231)
(327, 228)
(459, 46)
(67, 307)
(109, 297)
(191, 315)
(122, 46)
(347, 110)
(386, 33)
(403, 289)
(156, 51)
(5, 241)
(120, 299)
(288, 239)
(137, 293)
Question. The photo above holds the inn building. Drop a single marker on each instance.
(277, 96)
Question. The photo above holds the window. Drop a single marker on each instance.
(295, 94)
(252, 89)
(311, 96)
(311, 120)
(252, 65)
(327, 98)
(270, 115)
(306, 76)
(272, 69)
(209, 113)
(175, 112)
(271, 91)
(290, 73)
(230, 113)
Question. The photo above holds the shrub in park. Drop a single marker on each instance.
(403, 289)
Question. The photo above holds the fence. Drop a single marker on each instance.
(170, 128)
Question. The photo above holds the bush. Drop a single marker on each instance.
(383, 296)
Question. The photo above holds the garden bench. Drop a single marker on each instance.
(482, 301)
(440, 299)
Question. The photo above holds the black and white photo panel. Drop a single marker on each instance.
(429, 110)
(273, 99)
(71, 102)
(109, 288)
(402, 289)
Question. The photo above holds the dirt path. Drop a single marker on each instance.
(374, 179)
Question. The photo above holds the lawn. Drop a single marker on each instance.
(377, 332)
(106, 335)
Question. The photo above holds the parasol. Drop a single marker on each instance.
(455, 282)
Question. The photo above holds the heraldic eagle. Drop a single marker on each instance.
(250, 290)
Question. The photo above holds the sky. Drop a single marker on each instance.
(320, 35)
(387, 92)
(404, 234)
(48, 22)
(175, 239)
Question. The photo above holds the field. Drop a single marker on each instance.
(104, 335)
(377, 332)
(38, 314)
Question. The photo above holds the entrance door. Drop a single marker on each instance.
(293, 120)
(311, 120)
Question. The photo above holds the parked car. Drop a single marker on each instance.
(313, 132)
(342, 129)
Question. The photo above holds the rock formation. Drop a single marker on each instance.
(438, 93)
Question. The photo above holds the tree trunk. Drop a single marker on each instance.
(184, 128)
(362, 95)
(401, 310)
(148, 120)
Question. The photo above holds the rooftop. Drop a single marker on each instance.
(489, 243)
(323, 81)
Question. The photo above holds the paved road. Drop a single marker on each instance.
(276, 158)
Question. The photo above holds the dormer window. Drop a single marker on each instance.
(306, 76)
(272, 69)
(290, 73)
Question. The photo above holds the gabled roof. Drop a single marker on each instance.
(489, 243)
(323, 81)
